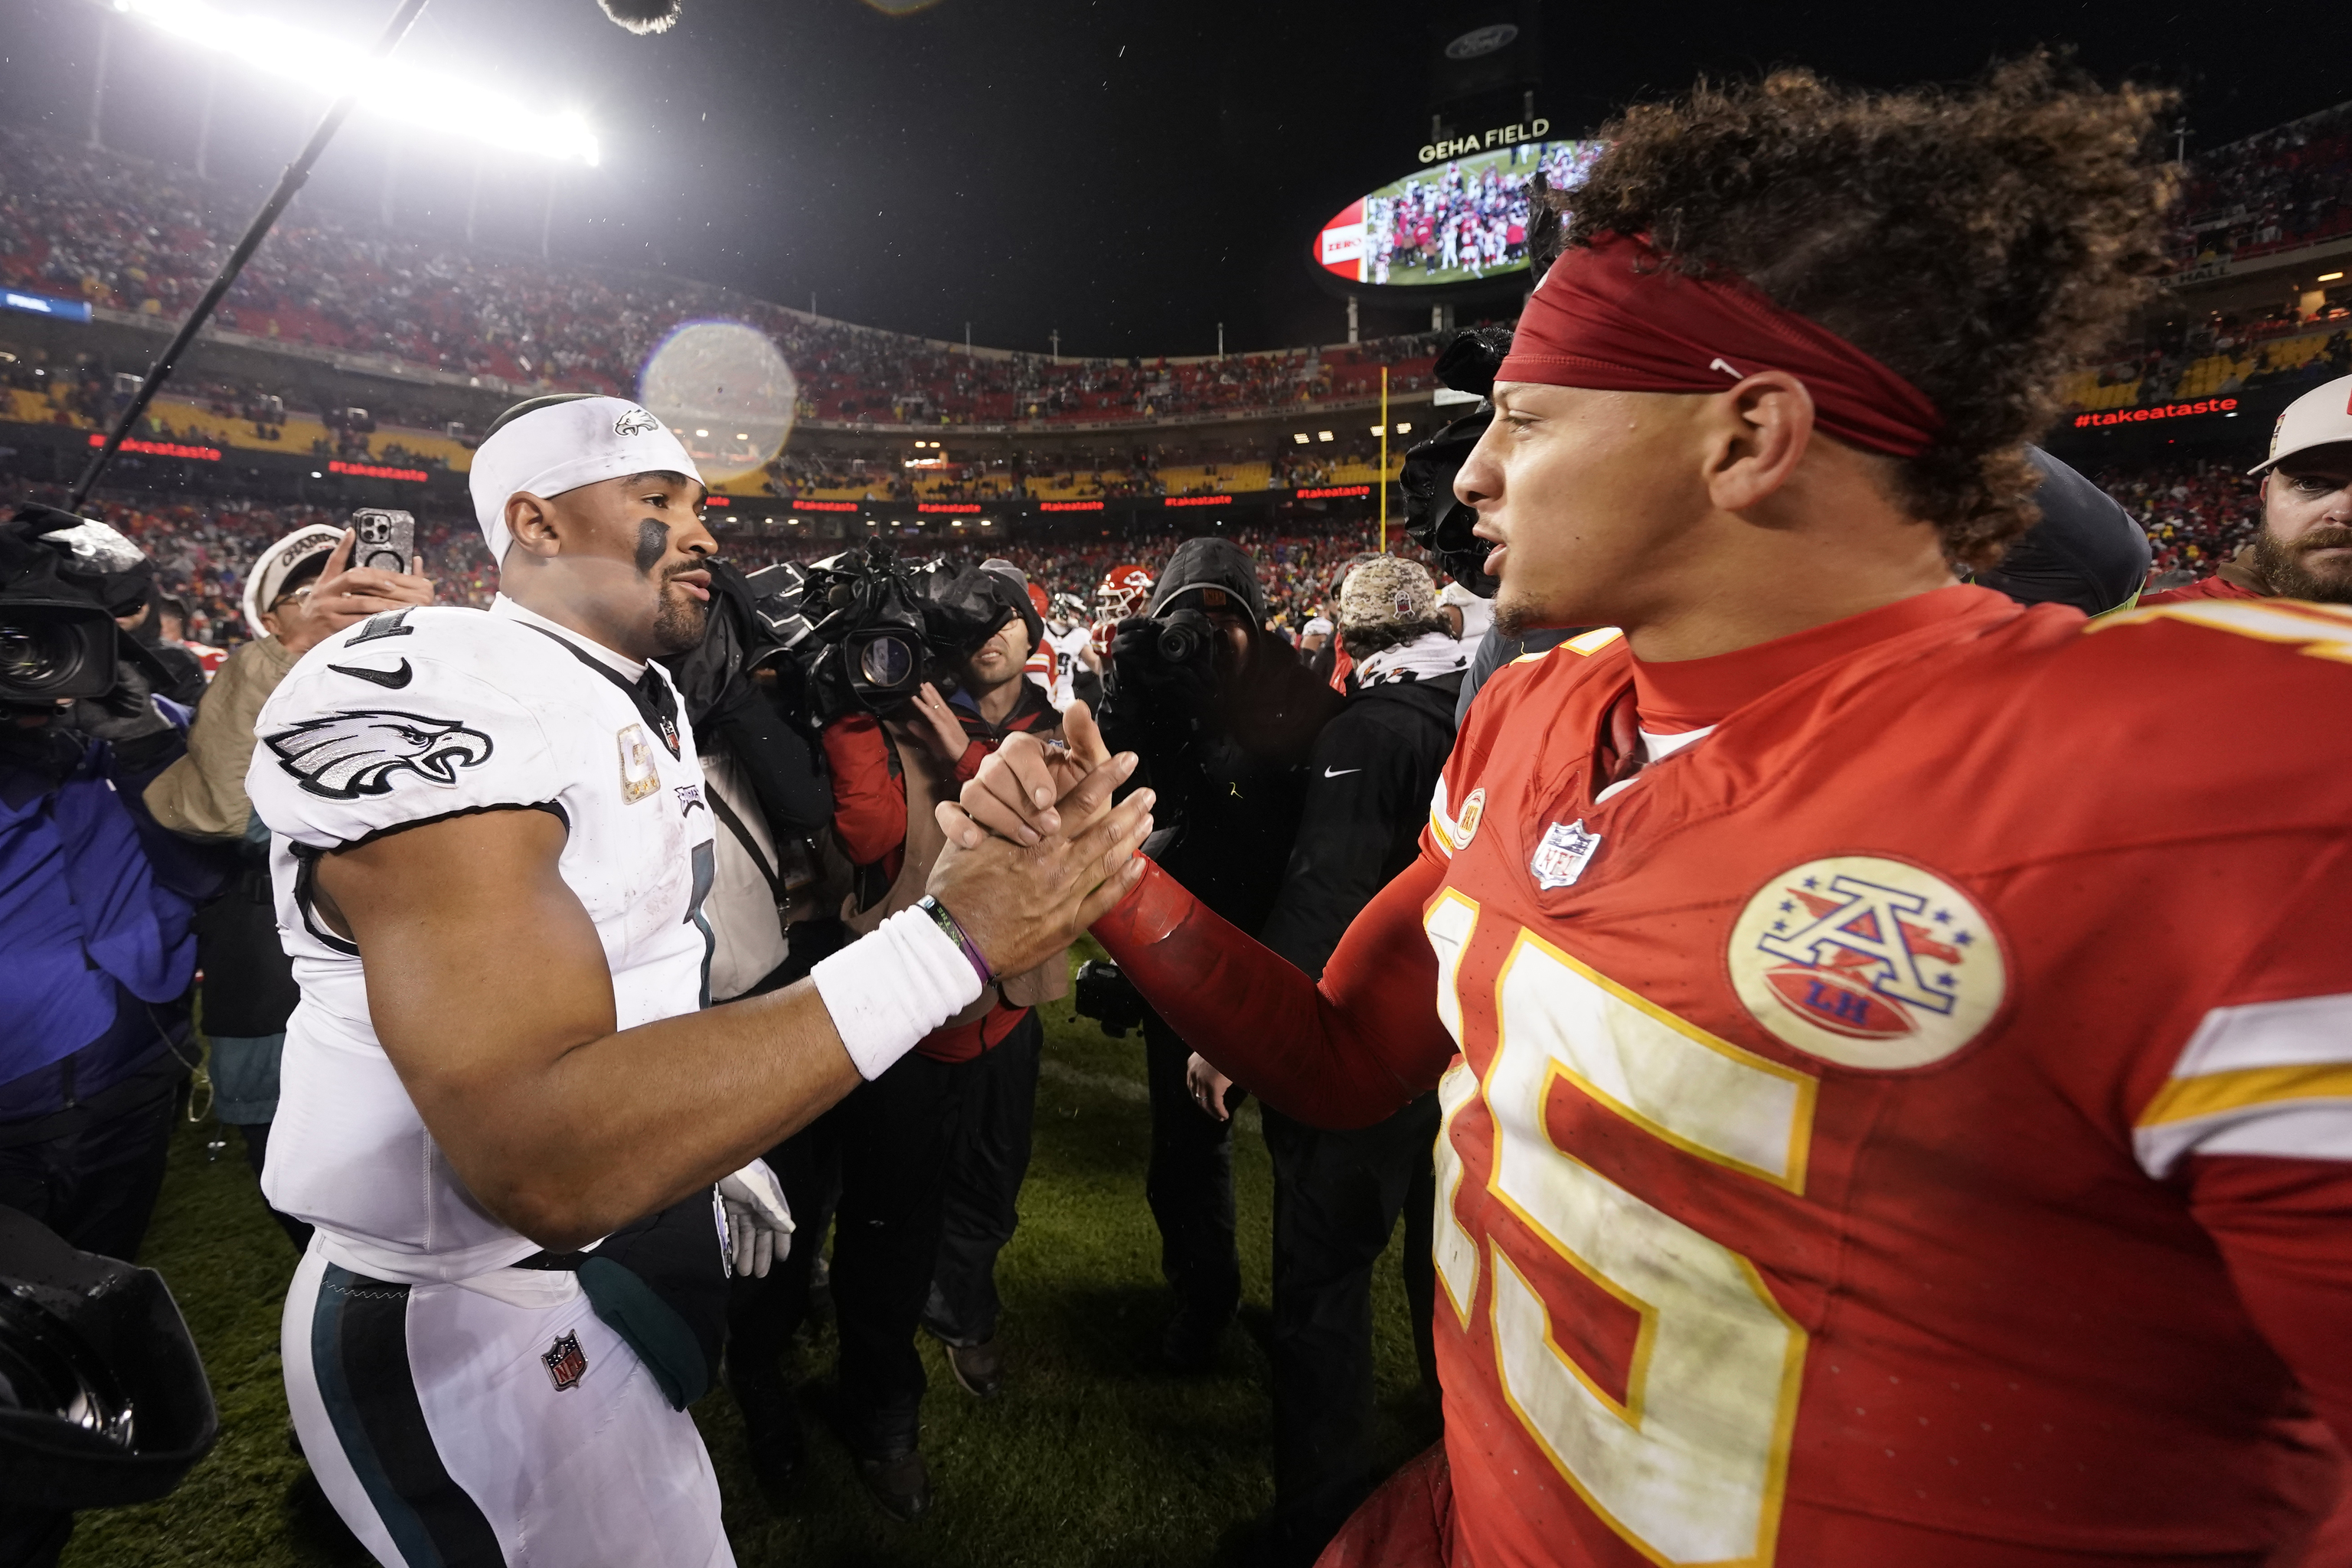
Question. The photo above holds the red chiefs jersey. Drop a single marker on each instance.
(1817, 1175)
(2214, 587)
(1908, 1122)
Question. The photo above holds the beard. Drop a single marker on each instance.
(2288, 570)
(1516, 617)
(680, 620)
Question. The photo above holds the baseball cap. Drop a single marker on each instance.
(2320, 417)
(301, 555)
(1387, 591)
(551, 445)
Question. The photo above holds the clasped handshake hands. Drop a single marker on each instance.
(1036, 850)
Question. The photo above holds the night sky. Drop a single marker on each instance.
(1129, 172)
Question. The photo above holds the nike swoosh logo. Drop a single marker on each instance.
(1340, 773)
(393, 679)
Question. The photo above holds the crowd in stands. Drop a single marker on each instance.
(203, 549)
(88, 224)
(120, 234)
(2197, 512)
(202, 552)
(2287, 187)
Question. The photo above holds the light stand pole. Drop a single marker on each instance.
(292, 180)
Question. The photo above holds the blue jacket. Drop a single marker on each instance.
(93, 893)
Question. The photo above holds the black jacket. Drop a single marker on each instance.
(1231, 772)
(2085, 550)
(1367, 787)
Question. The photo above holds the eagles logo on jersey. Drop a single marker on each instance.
(345, 755)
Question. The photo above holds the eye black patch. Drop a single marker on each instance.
(653, 544)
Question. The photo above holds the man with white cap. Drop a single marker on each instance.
(2304, 548)
(499, 1104)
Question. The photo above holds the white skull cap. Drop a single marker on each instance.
(562, 446)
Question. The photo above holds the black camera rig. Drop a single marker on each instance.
(63, 581)
(867, 628)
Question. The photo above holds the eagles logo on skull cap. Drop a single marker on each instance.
(549, 445)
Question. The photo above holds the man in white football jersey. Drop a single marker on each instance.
(1070, 638)
(499, 1105)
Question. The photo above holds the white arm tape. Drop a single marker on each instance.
(894, 985)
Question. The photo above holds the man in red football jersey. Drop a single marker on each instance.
(2304, 548)
(1898, 1098)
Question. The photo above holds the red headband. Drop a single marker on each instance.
(1615, 316)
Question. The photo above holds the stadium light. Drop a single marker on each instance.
(398, 91)
(1323, 435)
(1300, 438)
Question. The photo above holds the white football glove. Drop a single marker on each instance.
(759, 1221)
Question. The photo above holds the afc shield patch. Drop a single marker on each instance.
(1867, 962)
(565, 1362)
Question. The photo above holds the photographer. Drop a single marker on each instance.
(300, 592)
(94, 919)
(1223, 713)
(1338, 1195)
(932, 1152)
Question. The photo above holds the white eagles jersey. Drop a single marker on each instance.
(408, 718)
(1067, 645)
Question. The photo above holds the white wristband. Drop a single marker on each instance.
(894, 985)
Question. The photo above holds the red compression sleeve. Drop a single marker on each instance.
(1345, 1054)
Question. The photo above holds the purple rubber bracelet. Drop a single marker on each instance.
(947, 923)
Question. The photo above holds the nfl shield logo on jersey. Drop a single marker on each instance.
(565, 1362)
(1867, 962)
(1566, 850)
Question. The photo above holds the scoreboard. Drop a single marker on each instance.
(1460, 220)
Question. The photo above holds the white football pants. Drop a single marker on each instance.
(450, 1428)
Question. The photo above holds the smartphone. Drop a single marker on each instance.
(387, 539)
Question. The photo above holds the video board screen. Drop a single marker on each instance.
(1462, 220)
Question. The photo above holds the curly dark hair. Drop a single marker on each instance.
(1363, 642)
(1980, 241)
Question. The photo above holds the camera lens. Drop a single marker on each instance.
(886, 662)
(1179, 644)
(34, 655)
(50, 651)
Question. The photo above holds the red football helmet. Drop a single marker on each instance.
(1124, 591)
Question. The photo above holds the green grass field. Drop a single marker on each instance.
(1091, 1454)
